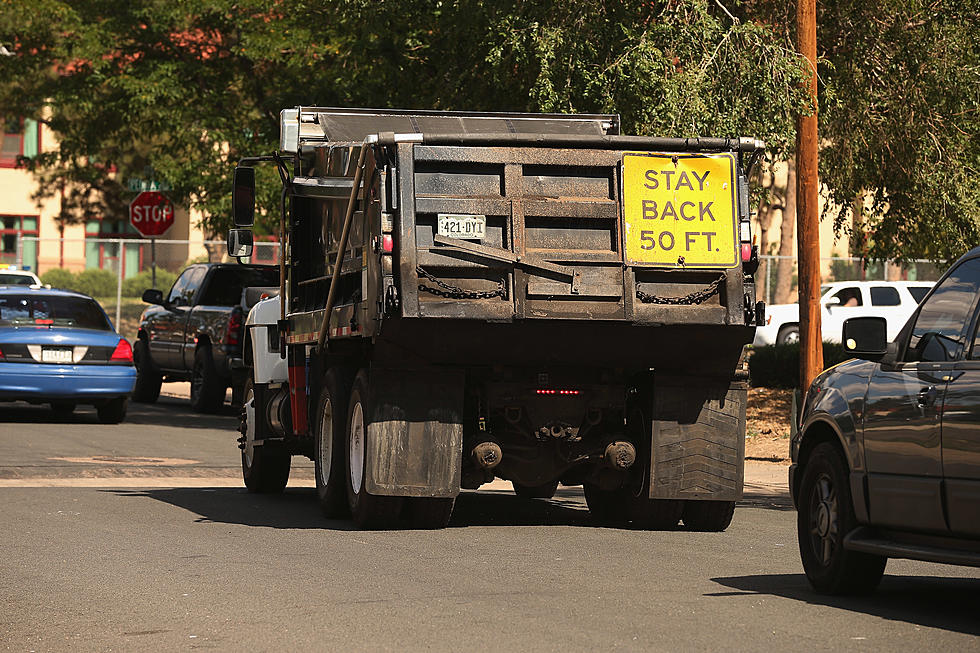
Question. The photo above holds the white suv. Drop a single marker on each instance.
(892, 300)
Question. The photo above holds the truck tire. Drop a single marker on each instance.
(788, 334)
(708, 516)
(264, 470)
(632, 503)
(112, 411)
(368, 511)
(429, 512)
(328, 434)
(148, 378)
(545, 491)
(207, 388)
(825, 517)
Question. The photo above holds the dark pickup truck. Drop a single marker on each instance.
(195, 332)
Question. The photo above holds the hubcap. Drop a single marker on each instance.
(249, 449)
(326, 442)
(356, 447)
(824, 520)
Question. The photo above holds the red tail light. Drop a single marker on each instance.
(234, 329)
(563, 393)
(1, 354)
(123, 352)
(388, 244)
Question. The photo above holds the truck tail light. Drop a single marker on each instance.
(387, 244)
(234, 329)
(562, 393)
(123, 353)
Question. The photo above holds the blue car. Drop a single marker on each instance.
(59, 347)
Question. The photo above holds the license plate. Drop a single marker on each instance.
(679, 210)
(56, 355)
(465, 226)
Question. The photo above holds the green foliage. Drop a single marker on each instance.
(58, 278)
(96, 282)
(135, 285)
(900, 120)
(180, 91)
(778, 366)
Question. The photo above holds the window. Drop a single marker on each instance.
(937, 335)
(12, 228)
(108, 255)
(52, 311)
(20, 138)
(849, 296)
(182, 292)
(919, 293)
(885, 296)
(226, 284)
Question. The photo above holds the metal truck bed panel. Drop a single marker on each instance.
(542, 206)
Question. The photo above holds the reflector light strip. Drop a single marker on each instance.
(558, 392)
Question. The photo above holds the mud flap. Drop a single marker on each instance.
(415, 434)
(698, 432)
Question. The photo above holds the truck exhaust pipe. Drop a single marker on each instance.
(619, 455)
(487, 455)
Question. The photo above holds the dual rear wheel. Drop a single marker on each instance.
(341, 442)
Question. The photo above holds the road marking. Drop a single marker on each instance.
(135, 461)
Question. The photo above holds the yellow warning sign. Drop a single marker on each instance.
(679, 210)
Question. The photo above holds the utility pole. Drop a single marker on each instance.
(807, 212)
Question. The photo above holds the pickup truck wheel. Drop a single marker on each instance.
(429, 512)
(825, 517)
(328, 446)
(264, 470)
(789, 334)
(148, 378)
(368, 511)
(545, 491)
(708, 516)
(207, 388)
(112, 411)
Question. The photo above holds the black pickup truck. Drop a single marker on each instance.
(195, 332)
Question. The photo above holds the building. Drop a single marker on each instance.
(31, 235)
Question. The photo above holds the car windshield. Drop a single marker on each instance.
(50, 310)
(226, 284)
(7, 279)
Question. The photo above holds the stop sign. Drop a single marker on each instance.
(151, 213)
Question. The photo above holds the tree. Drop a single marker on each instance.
(187, 88)
(900, 122)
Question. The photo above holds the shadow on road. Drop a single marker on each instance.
(931, 601)
(177, 413)
(298, 508)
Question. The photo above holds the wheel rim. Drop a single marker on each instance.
(356, 447)
(792, 337)
(249, 449)
(326, 442)
(824, 520)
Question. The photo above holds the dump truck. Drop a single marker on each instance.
(530, 297)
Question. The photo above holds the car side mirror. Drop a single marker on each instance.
(153, 296)
(243, 197)
(240, 243)
(866, 337)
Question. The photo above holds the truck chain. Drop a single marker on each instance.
(455, 292)
(696, 297)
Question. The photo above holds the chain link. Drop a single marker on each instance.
(455, 292)
(696, 297)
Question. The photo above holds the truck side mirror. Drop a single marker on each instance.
(243, 197)
(153, 296)
(866, 337)
(240, 243)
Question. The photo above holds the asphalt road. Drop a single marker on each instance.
(139, 537)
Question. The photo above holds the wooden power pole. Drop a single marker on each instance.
(808, 217)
